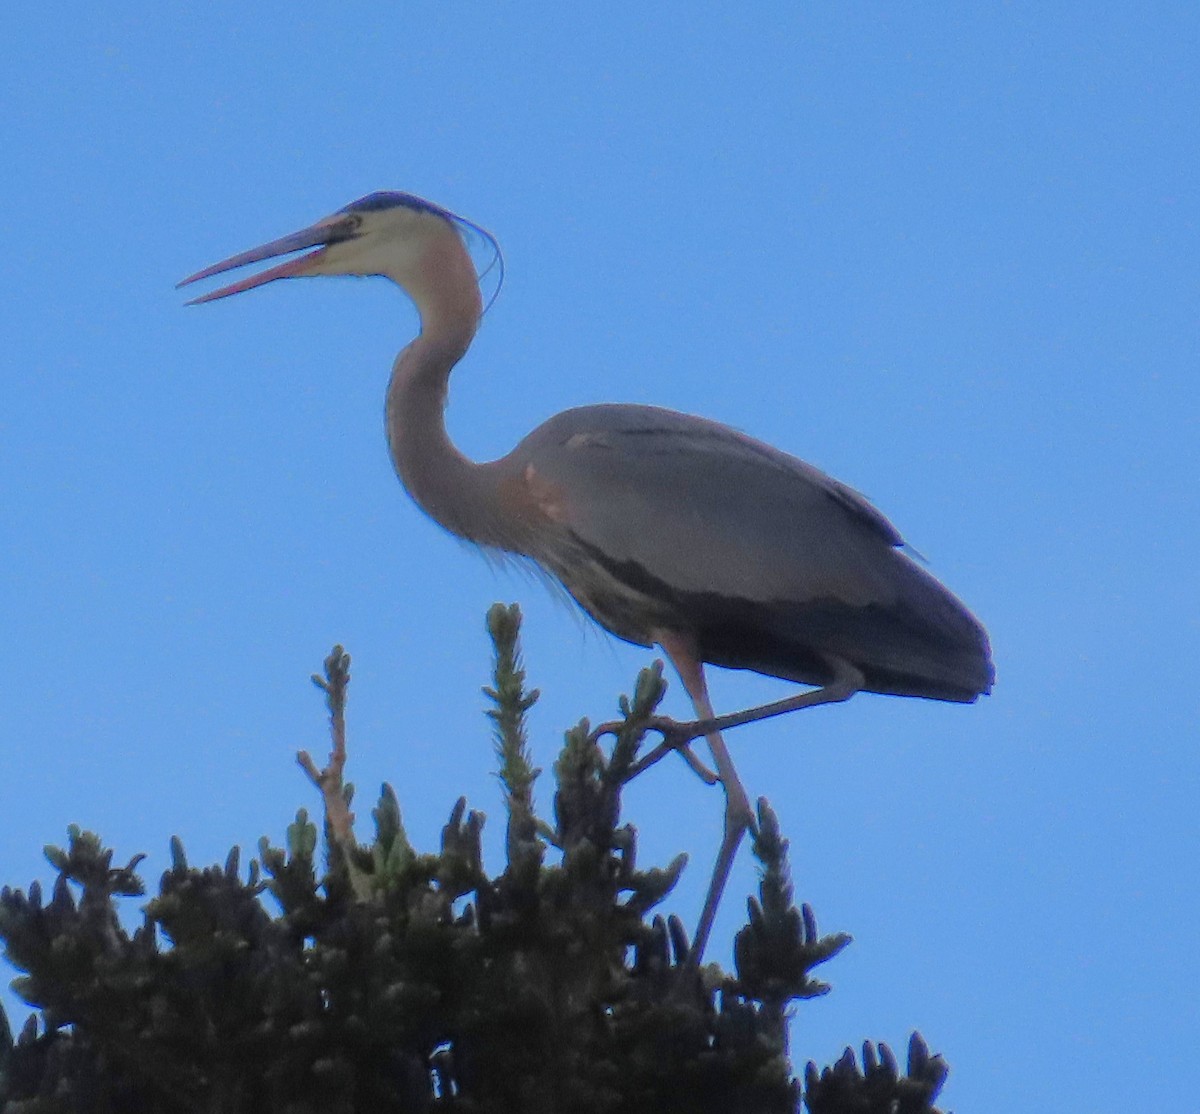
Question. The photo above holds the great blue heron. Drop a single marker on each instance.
(666, 528)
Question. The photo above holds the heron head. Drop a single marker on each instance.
(386, 233)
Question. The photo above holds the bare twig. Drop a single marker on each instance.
(330, 782)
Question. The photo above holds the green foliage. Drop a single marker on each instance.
(397, 980)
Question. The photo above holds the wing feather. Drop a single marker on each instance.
(704, 508)
(669, 522)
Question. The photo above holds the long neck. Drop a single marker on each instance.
(454, 491)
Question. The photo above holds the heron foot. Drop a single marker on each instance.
(675, 737)
(847, 681)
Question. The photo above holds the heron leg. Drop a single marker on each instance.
(847, 680)
(739, 816)
(678, 736)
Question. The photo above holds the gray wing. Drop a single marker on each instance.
(704, 508)
(767, 561)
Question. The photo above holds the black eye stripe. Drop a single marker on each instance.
(345, 229)
(473, 235)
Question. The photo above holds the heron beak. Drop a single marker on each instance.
(319, 235)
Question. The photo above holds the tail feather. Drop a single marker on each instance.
(929, 645)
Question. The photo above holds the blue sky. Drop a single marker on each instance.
(946, 254)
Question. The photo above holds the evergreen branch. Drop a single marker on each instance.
(512, 703)
(775, 952)
(877, 1087)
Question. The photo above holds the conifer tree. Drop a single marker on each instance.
(383, 978)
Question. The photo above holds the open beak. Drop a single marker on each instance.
(319, 235)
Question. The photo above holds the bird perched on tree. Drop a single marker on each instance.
(666, 528)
